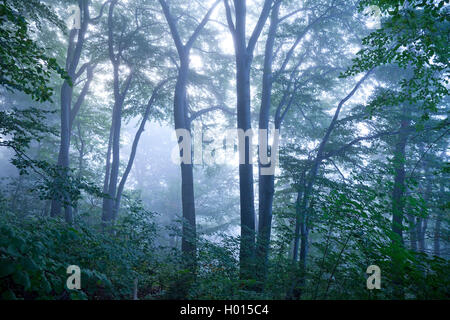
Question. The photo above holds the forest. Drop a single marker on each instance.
(224, 150)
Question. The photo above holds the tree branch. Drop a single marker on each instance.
(355, 141)
(82, 96)
(200, 26)
(259, 26)
(173, 28)
(199, 113)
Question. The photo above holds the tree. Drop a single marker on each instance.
(122, 52)
(183, 122)
(244, 58)
(70, 109)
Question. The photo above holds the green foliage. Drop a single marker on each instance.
(350, 202)
(35, 253)
(24, 65)
(414, 36)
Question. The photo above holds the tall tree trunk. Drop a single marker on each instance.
(115, 164)
(266, 181)
(81, 152)
(72, 61)
(426, 194)
(134, 146)
(412, 225)
(297, 231)
(244, 57)
(189, 229)
(398, 202)
(108, 211)
(412, 232)
(107, 169)
(183, 122)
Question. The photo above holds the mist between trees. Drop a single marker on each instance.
(224, 149)
(192, 150)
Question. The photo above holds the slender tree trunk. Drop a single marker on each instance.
(398, 203)
(72, 61)
(109, 212)
(80, 159)
(107, 165)
(134, 147)
(183, 122)
(412, 232)
(114, 175)
(266, 181)
(189, 232)
(398, 200)
(298, 215)
(423, 220)
(244, 57)
(63, 158)
(247, 246)
(412, 227)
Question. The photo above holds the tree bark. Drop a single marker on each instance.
(244, 57)
(134, 146)
(108, 212)
(72, 61)
(266, 182)
(182, 121)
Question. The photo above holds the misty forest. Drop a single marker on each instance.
(224, 149)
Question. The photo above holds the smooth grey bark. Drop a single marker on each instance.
(134, 146)
(81, 153)
(108, 163)
(183, 121)
(244, 58)
(68, 113)
(116, 197)
(108, 213)
(72, 61)
(266, 182)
